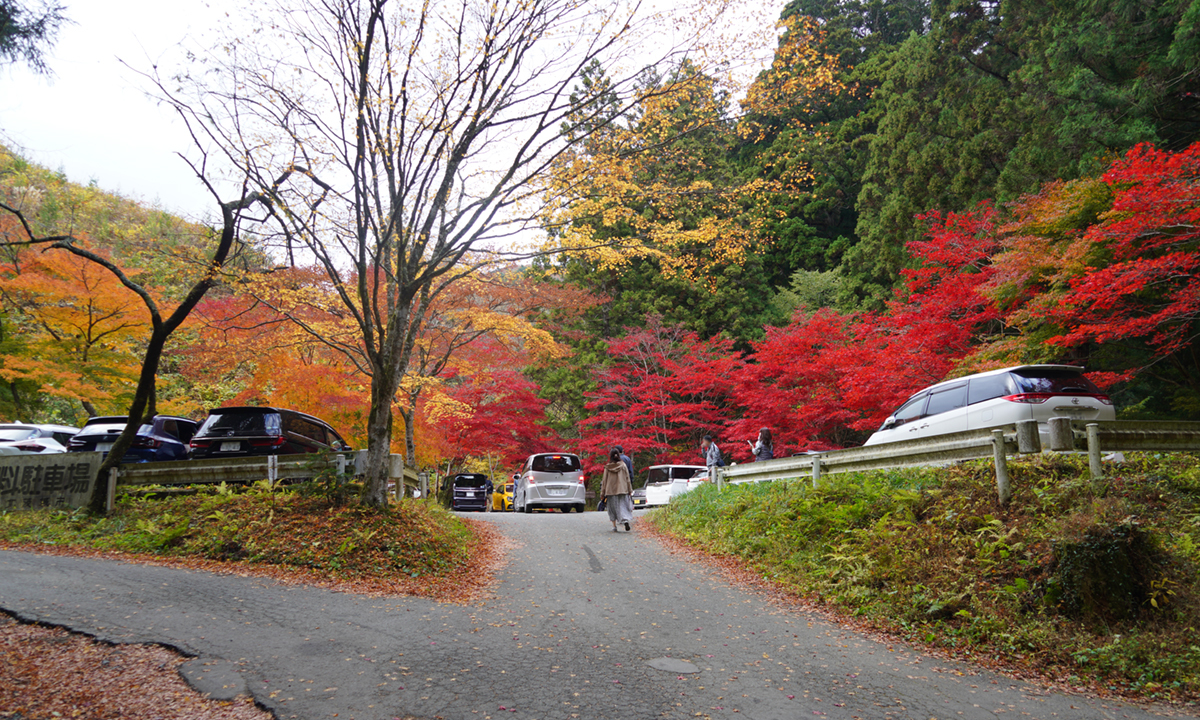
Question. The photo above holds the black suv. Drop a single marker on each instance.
(164, 438)
(240, 431)
(471, 491)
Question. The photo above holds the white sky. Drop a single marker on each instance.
(92, 118)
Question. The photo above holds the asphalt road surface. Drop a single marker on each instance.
(585, 623)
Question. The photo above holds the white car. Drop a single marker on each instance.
(550, 480)
(995, 398)
(42, 439)
(664, 482)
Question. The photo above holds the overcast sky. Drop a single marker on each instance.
(92, 118)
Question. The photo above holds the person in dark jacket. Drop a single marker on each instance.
(763, 448)
(627, 460)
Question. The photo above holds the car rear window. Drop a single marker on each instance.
(101, 429)
(1060, 381)
(241, 423)
(472, 481)
(555, 463)
(13, 434)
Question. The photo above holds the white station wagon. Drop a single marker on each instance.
(995, 398)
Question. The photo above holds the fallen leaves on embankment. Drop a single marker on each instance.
(409, 548)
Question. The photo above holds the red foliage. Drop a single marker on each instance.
(503, 419)
(1149, 285)
(826, 374)
(664, 389)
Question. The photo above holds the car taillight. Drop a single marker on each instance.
(145, 442)
(270, 442)
(199, 444)
(531, 481)
(30, 447)
(1103, 398)
(582, 480)
(1029, 398)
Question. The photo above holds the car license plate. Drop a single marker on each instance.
(639, 502)
(230, 446)
(469, 494)
(557, 493)
(103, 447)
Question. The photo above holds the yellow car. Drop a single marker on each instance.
(502, 496)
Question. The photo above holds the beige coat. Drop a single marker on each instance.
(616, 480)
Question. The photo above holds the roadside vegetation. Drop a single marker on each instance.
(300, 533)
(1090, 584)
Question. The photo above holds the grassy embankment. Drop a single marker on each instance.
(1093, 585)
(294, 534)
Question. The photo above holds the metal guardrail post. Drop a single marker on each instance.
(816, 471)
(1093, 446)
(715, 475)
(1062, 437)
(998, 453)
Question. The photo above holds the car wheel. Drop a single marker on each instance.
(580, 508)
(528, 509)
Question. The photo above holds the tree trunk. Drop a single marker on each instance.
(141, 399)
(379, 437)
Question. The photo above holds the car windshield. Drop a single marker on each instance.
(1060, 381)
(555, 463)
(12, 434)
(241, 423)
(471, 481)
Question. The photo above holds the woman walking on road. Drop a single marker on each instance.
(617, 490)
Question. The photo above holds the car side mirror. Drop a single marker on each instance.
(890, 422)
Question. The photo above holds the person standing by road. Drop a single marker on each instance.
(763, 448)
(711, 453)
(617, 490)
(627, 460)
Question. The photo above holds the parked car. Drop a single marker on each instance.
(664, 482)
(471, 491)
(502, 496)
(165, 438)
(42, 439)
(639, 497)
(550, 480)
(241, 431)
(995, 398)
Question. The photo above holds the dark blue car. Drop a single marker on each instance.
(166, 438)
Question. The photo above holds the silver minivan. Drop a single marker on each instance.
(550, 480)
(995, 398)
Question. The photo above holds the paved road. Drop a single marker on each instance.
(577, 617)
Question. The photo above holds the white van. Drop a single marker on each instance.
(995, 398)
(664, 482)
(550, 480)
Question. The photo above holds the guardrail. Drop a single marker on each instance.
(252, 469)
(1066, 435)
